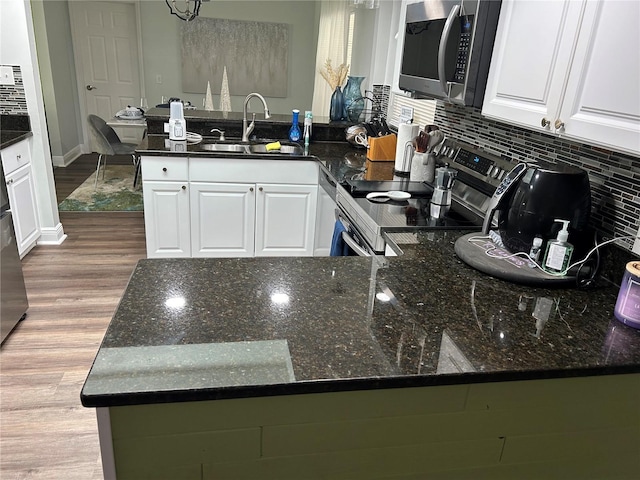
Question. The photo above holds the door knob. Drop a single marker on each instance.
(559, 124)
(545, 122)
(91, 87)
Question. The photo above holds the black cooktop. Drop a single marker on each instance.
(360, 188)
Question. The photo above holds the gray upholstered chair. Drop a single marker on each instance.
(107, 142)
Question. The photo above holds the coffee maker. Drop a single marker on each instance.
(532, 196)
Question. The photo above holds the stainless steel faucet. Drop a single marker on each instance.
(246, 130)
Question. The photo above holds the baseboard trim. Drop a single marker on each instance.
(68, 158)
(52, 235)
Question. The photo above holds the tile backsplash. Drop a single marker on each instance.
(13, 100)
(614, 177)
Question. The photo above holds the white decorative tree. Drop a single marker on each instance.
(208, 100)
(225, 98)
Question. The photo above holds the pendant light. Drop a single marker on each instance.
(185, 10)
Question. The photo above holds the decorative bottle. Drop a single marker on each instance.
(294, 131)
(353, 99)
(336, 110)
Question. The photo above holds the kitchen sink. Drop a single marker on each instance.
(284, 149)
(259, 148)
(225, 147)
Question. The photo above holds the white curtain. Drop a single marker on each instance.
(332, 44)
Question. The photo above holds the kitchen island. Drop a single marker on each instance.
(354, 367)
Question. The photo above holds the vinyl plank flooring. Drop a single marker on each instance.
(73, 290)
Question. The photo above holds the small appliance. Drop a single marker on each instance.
(441, 199)
(532, 197)
(447, 49)
(177, 126)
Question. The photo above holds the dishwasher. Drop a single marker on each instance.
(13, 293)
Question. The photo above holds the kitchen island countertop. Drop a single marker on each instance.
(203, 329)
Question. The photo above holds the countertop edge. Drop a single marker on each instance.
(18, 138)
(344, 385)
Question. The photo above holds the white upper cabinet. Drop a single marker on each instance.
(569, 68)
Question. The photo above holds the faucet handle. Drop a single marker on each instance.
(221, 132)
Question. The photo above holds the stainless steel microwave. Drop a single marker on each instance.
(447, 49)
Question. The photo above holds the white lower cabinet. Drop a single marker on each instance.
(206, 218)
(222, 219)
(285, 220)
(16, 163)
(22, 199)
(166, 219)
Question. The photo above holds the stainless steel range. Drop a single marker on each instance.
(476, 175)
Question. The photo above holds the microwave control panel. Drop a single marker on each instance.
(466, 28)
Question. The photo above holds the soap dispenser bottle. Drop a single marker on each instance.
(559, 251)
(294, 131)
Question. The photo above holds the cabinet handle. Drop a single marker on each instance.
(18, 157)
(545, 123)
(559, 124)
(260, 188)
(251, 189)
(164, 169)
(10, 181)
(184, 187)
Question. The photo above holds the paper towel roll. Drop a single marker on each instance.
(627, 308)
(406, 133)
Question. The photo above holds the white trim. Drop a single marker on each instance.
(52, 235)
(106, 443)
(68, 158)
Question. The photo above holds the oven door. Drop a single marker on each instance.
(353, 240)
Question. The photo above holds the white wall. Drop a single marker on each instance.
(17, 47)
(161, 49)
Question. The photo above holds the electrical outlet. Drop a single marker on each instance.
(6, 75)
(636, 245)
(159, 79)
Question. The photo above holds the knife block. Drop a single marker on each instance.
(382, 148)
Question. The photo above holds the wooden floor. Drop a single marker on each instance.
(73, 290)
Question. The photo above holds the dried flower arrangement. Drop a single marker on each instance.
(335, 78)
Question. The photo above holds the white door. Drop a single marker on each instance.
(166, 219)
(531, 55)
(602, 103)
(285, 219)
(22, 198)
(105, 41)
(222, 219)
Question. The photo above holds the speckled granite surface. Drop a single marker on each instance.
(347, 323)
(13, 129)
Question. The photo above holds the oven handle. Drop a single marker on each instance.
(347, 238)
(354, 246)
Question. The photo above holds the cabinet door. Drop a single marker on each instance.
(602, 103)
(222, 219)
(22, 200)
(166, 219)
(531, 55)
(285, 219)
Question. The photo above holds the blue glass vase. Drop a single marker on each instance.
(294, 131)
(353, 99)
(336, 110)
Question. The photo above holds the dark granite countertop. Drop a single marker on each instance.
(13, 129)
(198, 329)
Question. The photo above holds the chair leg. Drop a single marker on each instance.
(136, 163)
(97, 171)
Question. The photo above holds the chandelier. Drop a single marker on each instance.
(185, 10)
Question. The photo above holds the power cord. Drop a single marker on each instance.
(534, 264)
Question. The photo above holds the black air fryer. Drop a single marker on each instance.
(546, 192)
(538, 194)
